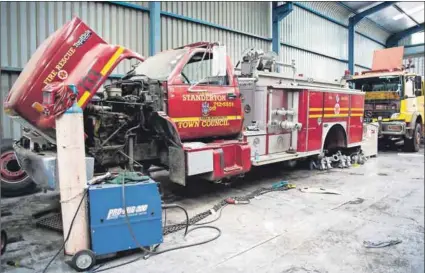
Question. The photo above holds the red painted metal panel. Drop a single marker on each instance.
(74, 54)
(230, 159)
(267, 121)
(315, 117)
(302, 118)
(207, 110)
(356, 119)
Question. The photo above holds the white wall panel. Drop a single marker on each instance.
(360, 69)
(8, 128)
(306, 30)
(341, 14)
(250, 17)
(405, 41)
(363, 50)
(329, 9)
(312, 65)
(419, 64)
(176, 33)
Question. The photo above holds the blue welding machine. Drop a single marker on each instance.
(109, 227)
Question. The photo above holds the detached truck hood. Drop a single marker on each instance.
(74, 54)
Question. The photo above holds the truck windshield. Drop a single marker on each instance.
(387, 83)
(160, 65)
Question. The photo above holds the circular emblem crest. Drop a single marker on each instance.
(62, 74)
(337, 108)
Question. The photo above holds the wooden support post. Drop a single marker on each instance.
(72, 177)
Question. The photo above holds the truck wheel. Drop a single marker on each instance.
(14, 181)
(413, 144)
(3, 241)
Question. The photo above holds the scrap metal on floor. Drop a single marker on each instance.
(380, 203)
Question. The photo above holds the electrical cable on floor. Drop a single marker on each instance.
(169, 249)
(212, 221)
(165, 219)
(199, 217)
(176, 227)
(69, 232)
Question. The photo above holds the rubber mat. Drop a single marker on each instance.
(51, 221)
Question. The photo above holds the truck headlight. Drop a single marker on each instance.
(379, 118)
(395, 127)
(395, 115)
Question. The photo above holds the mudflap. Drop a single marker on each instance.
(177, 165)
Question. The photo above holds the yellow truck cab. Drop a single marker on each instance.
(395, 99)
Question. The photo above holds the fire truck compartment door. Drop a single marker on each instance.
(257, 142)
(200, 162)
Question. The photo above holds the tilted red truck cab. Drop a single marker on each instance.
(172, 111)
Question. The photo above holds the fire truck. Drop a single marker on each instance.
(394, 99)
(188, 110)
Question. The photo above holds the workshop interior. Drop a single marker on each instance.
(127, 128)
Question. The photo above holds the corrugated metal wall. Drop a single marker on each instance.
(306, 30)
(313, 65)
(176, 32)
(363, 50)
(341, 14)
(8, 128)
(247, 17)
(405, 41)
(24, 25)
(418, 61)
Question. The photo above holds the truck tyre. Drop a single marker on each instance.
(413, 144)
(14, 181)
(3, 241)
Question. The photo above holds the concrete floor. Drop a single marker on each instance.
(291, 231)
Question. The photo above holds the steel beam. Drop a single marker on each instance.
(352, 21)
(342, 4)
(351, 46)
(154, 28)
(278, 13)
(393, 39)
(414, 49)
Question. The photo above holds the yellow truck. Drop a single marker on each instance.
(394, 98)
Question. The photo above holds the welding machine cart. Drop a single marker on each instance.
(109, 226)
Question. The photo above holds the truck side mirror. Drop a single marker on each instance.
(219, 63)
(418, 82)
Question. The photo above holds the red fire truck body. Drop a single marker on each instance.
(213, 129)
(317, 108)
